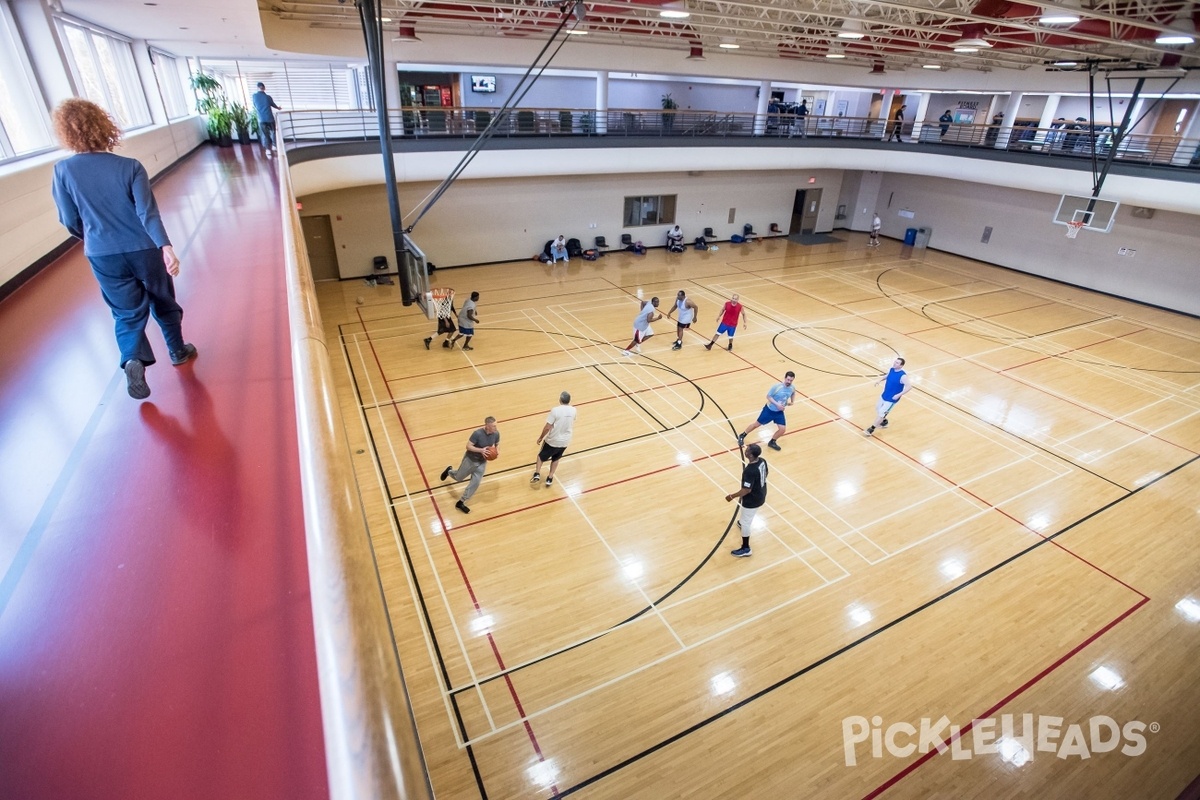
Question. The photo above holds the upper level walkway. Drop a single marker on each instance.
(156, 636)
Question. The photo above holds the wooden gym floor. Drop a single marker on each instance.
(1020, 541)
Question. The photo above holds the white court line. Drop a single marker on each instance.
(840, 537)
(408, 573)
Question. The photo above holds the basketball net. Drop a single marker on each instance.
(1073, 229)
(443, 301)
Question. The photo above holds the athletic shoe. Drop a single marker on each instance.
(467, 347)
(549, 482)
(870, 431)
(626, 353)
(677, 346)
(446, 343)
(741, 439)
(446, 472)
(730, 348)
(708, 346)
(637, 348)
(450, 344)
(774, 445)
(135, 379)
(428, 342)
(741, 552)
(183, 356)
(883, 424)
(461, 506)
(537, 476)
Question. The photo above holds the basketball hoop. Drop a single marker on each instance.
(443, 302)
(1073, 229)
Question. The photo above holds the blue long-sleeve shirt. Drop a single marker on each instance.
(105, 200)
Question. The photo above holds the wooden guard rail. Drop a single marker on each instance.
(371, 745)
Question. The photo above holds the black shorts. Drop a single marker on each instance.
(446, 325)
(551, 453)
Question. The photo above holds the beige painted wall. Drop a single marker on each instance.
(511, 218)
(29, 227)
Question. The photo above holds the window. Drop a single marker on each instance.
(650, 210)
(296, 86)
(105, 73)
(24, 124)
(172, 76)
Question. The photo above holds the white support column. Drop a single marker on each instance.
(150, 88)
(1188, 148)
(885, 108)
(601, 126)
(1010, 113)
(919, 117)
(1047, 119)
(760, 113)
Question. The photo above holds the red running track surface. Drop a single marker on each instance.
(155, 630)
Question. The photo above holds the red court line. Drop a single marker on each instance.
(611, 484)
(579, 405)
(995, 507)
(971, 360)
(1074, 349)
(512, 690)
(977, 318)
(883, 787)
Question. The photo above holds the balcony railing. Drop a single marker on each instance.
(307, 127)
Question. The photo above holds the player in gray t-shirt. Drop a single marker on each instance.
(466, 322)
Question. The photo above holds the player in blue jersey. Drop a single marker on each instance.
(895, 386)
(779, 397)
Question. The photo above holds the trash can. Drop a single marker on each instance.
(923, 235)
(910, 237)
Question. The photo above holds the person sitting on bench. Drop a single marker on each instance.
(558, 249)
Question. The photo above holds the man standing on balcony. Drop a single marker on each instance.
(897, 124)
(263, 103)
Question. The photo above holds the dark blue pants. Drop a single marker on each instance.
(136, 285)
(266, 134)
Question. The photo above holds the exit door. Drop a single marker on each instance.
(805, 211)
(322, 253)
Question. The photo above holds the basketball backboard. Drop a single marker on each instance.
(1095, 214)
(417, 271)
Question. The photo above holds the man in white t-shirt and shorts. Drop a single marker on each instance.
(555, 436)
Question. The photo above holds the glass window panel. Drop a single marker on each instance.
(24, 124)
(105, 73)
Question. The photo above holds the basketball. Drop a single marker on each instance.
(490, 453)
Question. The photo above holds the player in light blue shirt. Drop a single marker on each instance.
(779, 397)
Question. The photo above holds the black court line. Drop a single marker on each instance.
(408, 561)
(1026, 337)
(861, 640)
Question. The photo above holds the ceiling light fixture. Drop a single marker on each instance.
(675, 10)
(970, 45)
(1062, 13)
(729, 44)
(407, 33)
(579, 30)
(931, 66)
(1180, 32)
(852, 28)
(835, 51)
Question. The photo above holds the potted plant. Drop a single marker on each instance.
(669, 107)
(213, 104)
(244, 122)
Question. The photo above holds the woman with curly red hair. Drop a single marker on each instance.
(105, 200)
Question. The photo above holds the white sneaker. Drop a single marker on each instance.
(637, 348)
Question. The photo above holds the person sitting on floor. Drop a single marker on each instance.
(675, 240)
(637, 247)
(558, 249)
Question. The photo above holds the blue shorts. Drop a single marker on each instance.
(768, 416)
(723, 328)
(465, 331)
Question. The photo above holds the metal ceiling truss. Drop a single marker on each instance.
(902, 33)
